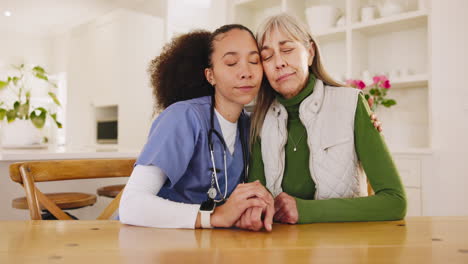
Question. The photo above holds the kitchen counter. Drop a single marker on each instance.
(68, 152)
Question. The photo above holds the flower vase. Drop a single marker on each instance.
(20, 134)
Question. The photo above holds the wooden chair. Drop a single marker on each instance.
(28, 173)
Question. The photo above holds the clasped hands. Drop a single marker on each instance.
(252, 207)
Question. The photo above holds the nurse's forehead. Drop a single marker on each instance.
(235, 44)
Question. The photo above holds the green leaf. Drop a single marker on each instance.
(2, 113)
(39, 69)
(40, 73)
(28, 95)
(54, 97)
(372, 91)
(15, 80)
(42, 76)
(3, 84)
(16, 106)
(389, 102)
(38, 120)
(11, 115)
(367, 96)
(54, 117)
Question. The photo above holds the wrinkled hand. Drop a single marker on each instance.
(376, 122)
(285, 209)
(245, 196)
(251, 219)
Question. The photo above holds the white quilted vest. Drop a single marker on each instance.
(328, 116)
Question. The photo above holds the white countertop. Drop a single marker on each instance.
(68, 152)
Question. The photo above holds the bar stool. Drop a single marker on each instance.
(110, 191)
(65, 201)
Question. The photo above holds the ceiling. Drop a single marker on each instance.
(42, 17)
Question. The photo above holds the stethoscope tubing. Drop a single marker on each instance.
(223, 143)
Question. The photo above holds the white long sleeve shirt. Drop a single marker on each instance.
(141, 206)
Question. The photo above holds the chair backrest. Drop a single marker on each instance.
(28, 173)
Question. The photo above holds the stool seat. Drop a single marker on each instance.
(110, 191)
(70, 200)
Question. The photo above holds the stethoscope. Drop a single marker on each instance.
(214, 189)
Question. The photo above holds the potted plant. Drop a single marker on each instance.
(23, 113)
(375, 93)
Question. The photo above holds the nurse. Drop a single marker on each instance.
(197, 149)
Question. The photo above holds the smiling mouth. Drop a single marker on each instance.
(284, 76)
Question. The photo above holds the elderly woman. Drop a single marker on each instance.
(311, 137)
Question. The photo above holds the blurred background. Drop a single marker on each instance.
(98, 51)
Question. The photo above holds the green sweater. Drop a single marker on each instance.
(389, 201)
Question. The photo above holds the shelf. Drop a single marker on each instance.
(392, 23)
(256, 4)
(410, 81)
(411, 151)
(333, 34)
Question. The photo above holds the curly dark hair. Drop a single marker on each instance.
(178, 73)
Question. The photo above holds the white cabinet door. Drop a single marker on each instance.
(410, 171)
(413, 195)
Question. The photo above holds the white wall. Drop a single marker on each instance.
(21, 48)
(107, 63)
(186, 15)
(135, 99)
(447, 194)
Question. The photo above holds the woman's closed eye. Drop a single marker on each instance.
(231, 63)
(266, 56)
(255, 59)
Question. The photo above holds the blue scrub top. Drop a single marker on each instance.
(178, 145)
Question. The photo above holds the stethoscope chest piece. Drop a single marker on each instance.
(212, 193)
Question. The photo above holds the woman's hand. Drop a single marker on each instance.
(376, 122)
(245, 196)
(286, 209)
(251, 219)
(373, 117)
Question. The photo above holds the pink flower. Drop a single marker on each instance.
(379, 78)
(376, 79)
(360, 85)
(356, 84)
(386, 84)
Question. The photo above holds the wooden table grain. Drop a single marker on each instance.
(414, 240)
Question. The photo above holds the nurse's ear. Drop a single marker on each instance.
(210, 76)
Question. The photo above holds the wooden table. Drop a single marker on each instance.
(415, 240)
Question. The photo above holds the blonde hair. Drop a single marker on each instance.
(297, 31)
